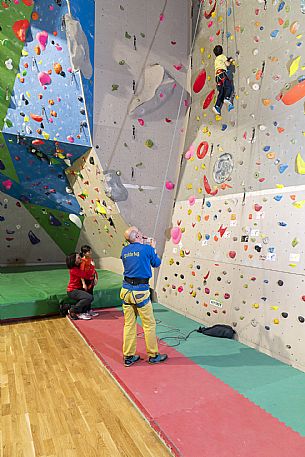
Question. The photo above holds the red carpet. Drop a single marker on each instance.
(194, 412)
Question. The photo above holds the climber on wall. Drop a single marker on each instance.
(138, 258)
(224, 83)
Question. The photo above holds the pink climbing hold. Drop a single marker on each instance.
(189, 154)
(257, 207)
(180, 289)
(192, 200)
(7, 184)
(70, 139)
(200, 81)
(42, 38)
(208, 99)
(169, 185)
(176, 235)
(141, 122)
(44, 78)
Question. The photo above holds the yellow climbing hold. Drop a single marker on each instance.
(275, 308)
(280, 186)
(217, 117)
(255, 305)
(26, 118)
(276, 321)
(100, 209)
(198, 218)
(46, 135)
(199, 236)
(299, 204)
(28, 94)
(300, 165)
(294, 65)
(270, 155)
(199, 190)
(189, 186)
(182, 253)
(189, 212)
(203, 166)
(171, 261)
(220, 19)
(24, 52)
(202, 50)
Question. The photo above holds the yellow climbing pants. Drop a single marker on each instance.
(131, 311)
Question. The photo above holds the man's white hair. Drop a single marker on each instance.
(133, 236)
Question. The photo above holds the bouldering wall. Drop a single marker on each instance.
(236, 253)
(141, 63)
(46, 122)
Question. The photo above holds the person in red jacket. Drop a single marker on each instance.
(81, 309)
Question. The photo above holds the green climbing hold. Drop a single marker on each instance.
(115, 87)
(127, 36)
(142, 35)
(122, 62)
(294, 242)
(149, 143)
(8, 122)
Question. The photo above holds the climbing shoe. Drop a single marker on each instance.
(130, 360)
(216, 110)
(158, 358)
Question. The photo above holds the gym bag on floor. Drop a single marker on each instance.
(218, 330)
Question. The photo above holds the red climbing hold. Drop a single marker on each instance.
(202, 149)
(232, 254)
(209, 14)
(28, 2)
(200, 81)
(207, 187)
(208, 99)
(20, 28)
(36, 117)
(37, 142)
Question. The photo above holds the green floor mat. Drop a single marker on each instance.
(37, 292)
(274, 386)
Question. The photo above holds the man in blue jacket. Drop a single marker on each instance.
(138, 258)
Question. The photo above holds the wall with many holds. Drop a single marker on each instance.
(140, 105)
(236, 253)
(46, 121)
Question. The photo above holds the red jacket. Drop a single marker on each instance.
(76, 275)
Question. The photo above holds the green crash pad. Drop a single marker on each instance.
(30, 292)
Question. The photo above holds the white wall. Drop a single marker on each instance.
(261, 204)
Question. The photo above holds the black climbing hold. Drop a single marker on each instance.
(80, 98)
(182, 276)
(285, 315)
(91, 160)
(280, 282)
(2, 166)
(82, 111)
(208, 313)
(301, 319)
(165, 278)
(267, 327)
(258, 248)
(218, 278)
(198, 267)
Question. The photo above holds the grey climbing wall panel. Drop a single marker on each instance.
(130, 37)
(241, 197)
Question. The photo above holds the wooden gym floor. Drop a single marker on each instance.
(57, 400)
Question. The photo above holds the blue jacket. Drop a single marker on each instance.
(137, 260)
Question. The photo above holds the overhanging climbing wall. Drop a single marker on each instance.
(140, 71)
(51, 191)
(236, 255)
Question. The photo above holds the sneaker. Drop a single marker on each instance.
(216, 110)
(84, 317)
(93, 313)
(230, 107)
(72, 315)
(227, 101)
(131, 359)
(158, 358)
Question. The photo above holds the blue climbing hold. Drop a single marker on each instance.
(278, 198)
(224, 127)
(229, 11)
(281, 6)
(283, 167)
(267, 148)
(274, 33)
(282, 224)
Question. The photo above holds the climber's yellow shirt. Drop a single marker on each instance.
(220, 63)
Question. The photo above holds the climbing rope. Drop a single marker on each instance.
(176, 123)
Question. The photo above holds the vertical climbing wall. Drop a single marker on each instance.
(236, 254)
(140, 72)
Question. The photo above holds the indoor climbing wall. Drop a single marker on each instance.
(140, 105)
(46, 120)
(236, 252)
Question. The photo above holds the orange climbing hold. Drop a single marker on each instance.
(35, 16)
(20, 29)
(57, 68)
(207, 187)
(294, 94)
(36, 117)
